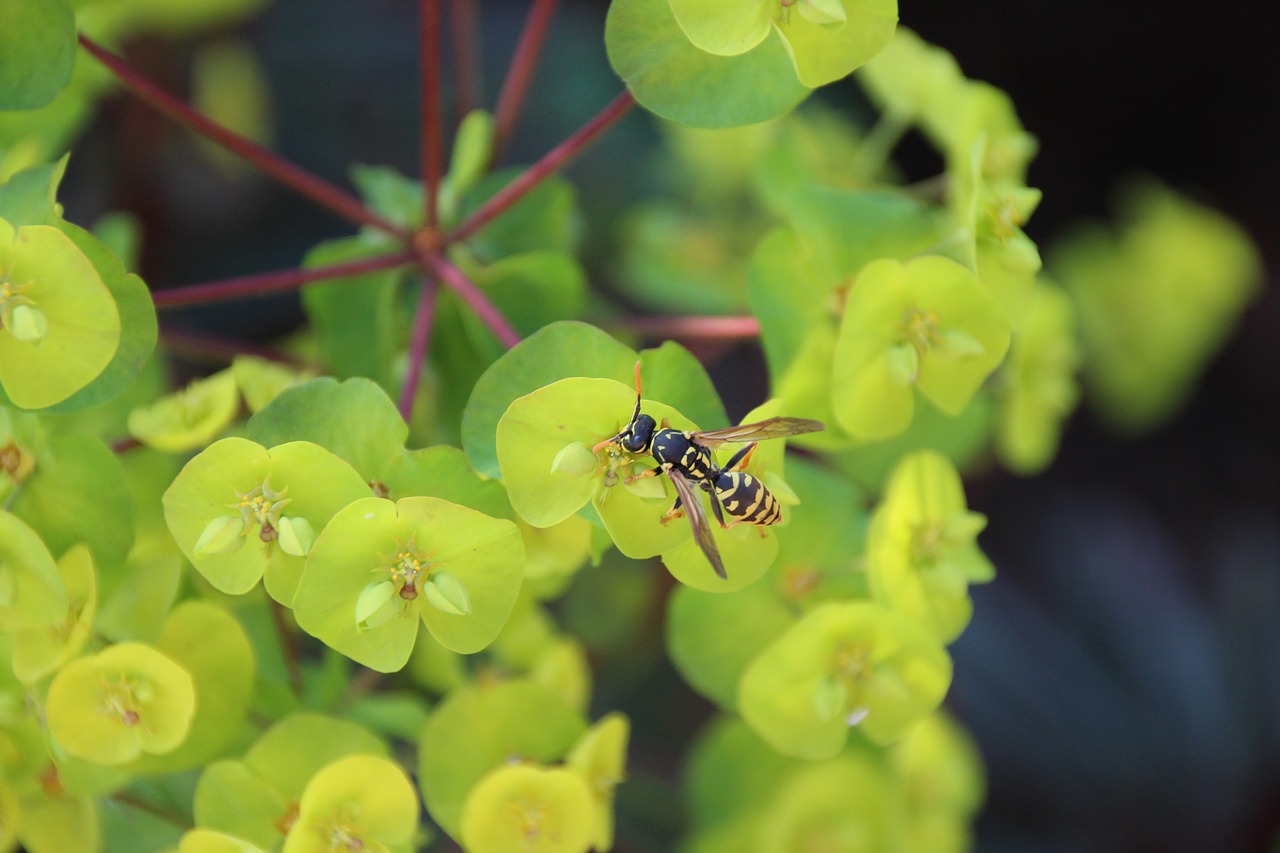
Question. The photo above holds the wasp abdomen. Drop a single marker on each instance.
(746, 499)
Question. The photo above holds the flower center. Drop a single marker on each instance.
(263, 506)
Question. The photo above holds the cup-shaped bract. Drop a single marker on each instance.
(828, 804)
(825, 39)
(529, 808)
(188, 418)
(32, 594)
(1039, 388)
(240, 512)
(477, 729)
(39, 651)
(257, 798)
(922, 552)
(600, 757)
(540, 442)
(223, 674)
(843, 665)
(59, 325)
(945, 784)
(126, 700)
(208, 841)
(928, 325)
(380, 568)
(362, 802)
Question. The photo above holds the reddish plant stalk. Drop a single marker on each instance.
(520, 73)
(721, 328)
(432, 141)
(264, 284)
(457, 281)
(552, 161)
(467, 77)
(419, 342)
(313, 187)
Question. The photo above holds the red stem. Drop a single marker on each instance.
(432, 154)
(553, 160)
(723, 328)
(263, 284)
(457, 281)
(269, 163)
(418, 344)
(466, 57)
(523, 63)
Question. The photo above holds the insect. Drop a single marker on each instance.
(685, 457)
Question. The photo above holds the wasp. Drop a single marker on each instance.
(685, 457)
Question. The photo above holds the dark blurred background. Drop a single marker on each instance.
(1122, 675)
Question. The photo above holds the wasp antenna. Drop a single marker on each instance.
(636, 413)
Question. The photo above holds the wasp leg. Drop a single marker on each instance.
(674, 512)
(643, 474)
(740, 459)
(718, 512)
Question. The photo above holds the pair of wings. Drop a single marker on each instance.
(688, 492)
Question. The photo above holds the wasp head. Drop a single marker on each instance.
(638, 435)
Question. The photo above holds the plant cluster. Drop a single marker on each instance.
(205, 591)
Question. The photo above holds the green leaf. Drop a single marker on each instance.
(477, 729)
(31, 591)
(533, 289)
(354, 419)
(355, 319)
(138, 328)
(544, 219)
(713, 638)
(556, 352)
(671, 77)
(390, 194)
(37, 51)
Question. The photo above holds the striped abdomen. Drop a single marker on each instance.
(746, 499)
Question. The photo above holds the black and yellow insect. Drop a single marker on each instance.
(685, 457)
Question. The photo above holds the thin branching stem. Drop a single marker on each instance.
(718, 328)
(432, 134)
(551, 162)
(419, 342)
(136, 802)
(520, 73)
(457, 281)
(288, 646)
(267, 283)
(468, 79)
(313, 187)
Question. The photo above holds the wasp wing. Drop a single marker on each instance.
(758, 431)
(698, 519)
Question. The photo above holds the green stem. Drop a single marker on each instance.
(878, 144)
(288, 646)
(142, 805)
